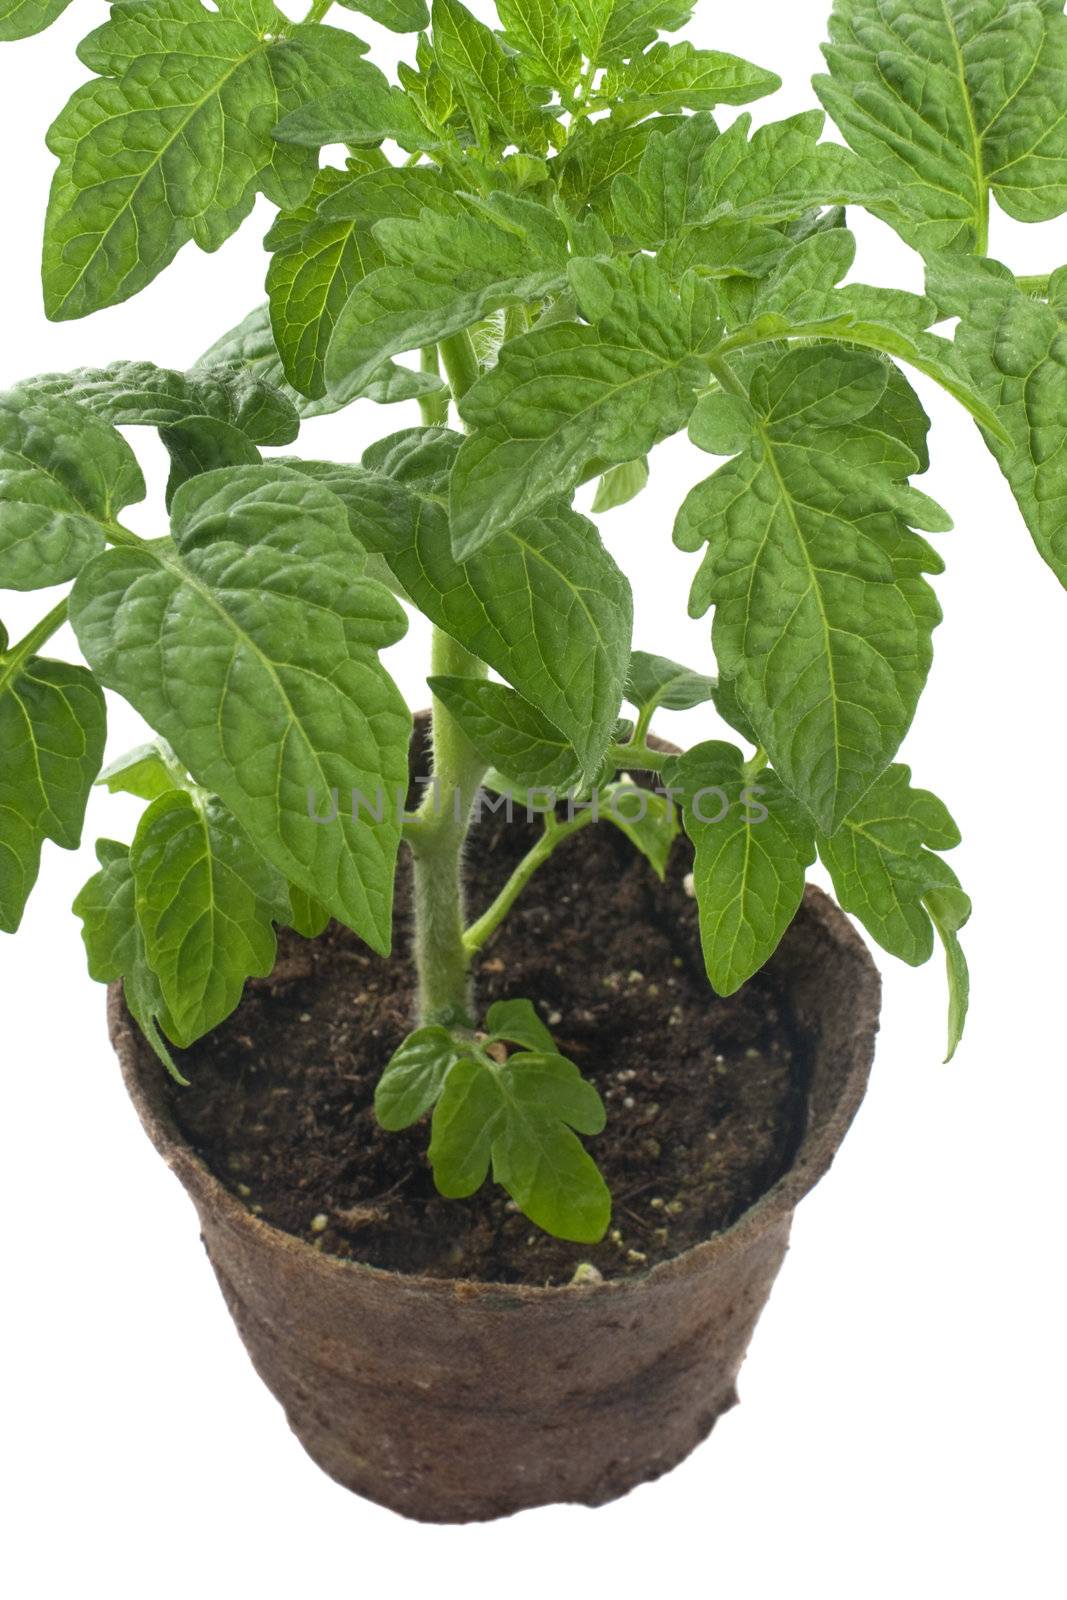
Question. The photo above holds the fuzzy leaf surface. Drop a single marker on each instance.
(509, 733)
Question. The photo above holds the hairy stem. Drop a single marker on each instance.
(437, 836)
(553, 836)
(438, 831)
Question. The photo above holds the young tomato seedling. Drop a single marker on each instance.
(549, 234)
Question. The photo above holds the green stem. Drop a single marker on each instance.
(460, 363)
(553, 836)
(433, 408)
(637, 757)
(13, 661)
(437, 836)
(1037, 285)
(318, 10)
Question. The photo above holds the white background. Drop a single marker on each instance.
(902, 1409)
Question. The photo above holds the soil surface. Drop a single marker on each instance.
(706, 1096)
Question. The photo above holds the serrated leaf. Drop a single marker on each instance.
(259, 608)
(520, 1116)
(365, 111)
(823, 618)
(615, 31)
(654, 681)
(414, 1077)
(648, 820)
(509, 733)
(753, 844)
(472, 57)
(446, 273)
(315, 268)
(950, 101)
(542, 32)
(172, 141)
(206, 902)
(140, 394)
(561, 396)
(883, 865)
(21, 18)
(400, 16)
(669, 191)
(802, 297)
(596, 153)
(115, 948)
(52, 730)
(64, 478)
(673, 77)
(1014, 349)
(517, 1022)
(546, 608)
(250, 347)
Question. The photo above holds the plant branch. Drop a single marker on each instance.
(12, 662)
(554, 834)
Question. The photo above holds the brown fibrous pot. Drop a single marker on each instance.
(455, 1401)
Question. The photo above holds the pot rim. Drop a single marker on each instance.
(811, 1160)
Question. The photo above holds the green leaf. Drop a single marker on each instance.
(260, 611)
(306, 915)
(446, 273)
(366, 110)
(543, 34)
(670, 77)
(138, 393)
(648, 820)
(614, 32)
(951, 101)
(64, 478)
(148, 771)
(669, 191)
(950, 910)
(883, 867)
(561, 396)
(517, 1022)
(654, 681)
(172, 141)
(204, 445)
(546, 608)
(52, 730)
(315, 268)
(206, 902)
(401, 16)
(21, 18)
(1014, 349)
(520, 1116)
(509, 733)
(753, 843)
(823, 618)
(250, 348)
(800, 298)
(620, 485)
(115, 948)
(414, 1077)
(475, 61)
(598, 152)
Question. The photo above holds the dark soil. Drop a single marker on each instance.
(706, 1096)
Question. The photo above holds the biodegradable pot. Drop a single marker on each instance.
(459, 1401)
